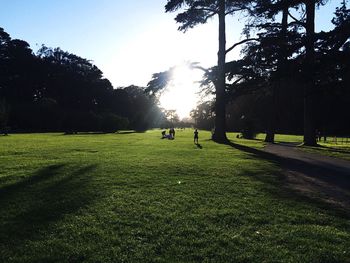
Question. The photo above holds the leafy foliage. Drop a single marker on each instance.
(55, 90)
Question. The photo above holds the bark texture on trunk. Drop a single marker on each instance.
(271, 127)
(309, 128)
(220, 104)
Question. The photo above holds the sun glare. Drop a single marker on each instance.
(181, 93)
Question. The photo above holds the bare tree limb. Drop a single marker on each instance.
(209, 16)
(297, 21)
(238, 80)
(200, 68)
(240, 43)
(208, 9)
(234, 10)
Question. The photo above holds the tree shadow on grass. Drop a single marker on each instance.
(31, 205)
(41, 175)
(288, 144)
(129, 132)
(86, 133)
(101, 133)
(323, 185)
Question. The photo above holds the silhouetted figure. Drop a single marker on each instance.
(195, 139)
(173, 132)
(318, 135)
(6, 131)
(170, 136)
(163, 134)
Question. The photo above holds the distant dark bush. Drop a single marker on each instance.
(4, 113)
(110, 122)
(140, 123)
(248, 129)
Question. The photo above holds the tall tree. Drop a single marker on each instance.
(277, 85)
(198, 12)
(4, 112)
(203, 115)
(309, 89)
(307, 20)
(272, 47)
(308, 70)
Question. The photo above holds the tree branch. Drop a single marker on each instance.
(240, 43)
(296, 20)
(208, 9)
(236, 81)
(234, 10)
(209, 16)
(201, 68)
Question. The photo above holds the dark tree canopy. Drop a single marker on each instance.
(55, 90)
(289, 78)
(275, 68)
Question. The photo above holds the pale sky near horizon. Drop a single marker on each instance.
(127, 40)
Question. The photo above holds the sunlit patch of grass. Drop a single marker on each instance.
(135, 197)
(283, 138)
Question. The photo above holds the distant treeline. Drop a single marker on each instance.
(54, 90)
(252, 111)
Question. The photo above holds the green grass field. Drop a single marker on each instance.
(132, 197)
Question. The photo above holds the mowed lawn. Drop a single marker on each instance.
(132, 197)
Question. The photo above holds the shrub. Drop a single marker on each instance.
(110, 122)
(248, 129)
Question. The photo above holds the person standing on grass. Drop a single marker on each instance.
(195, 139)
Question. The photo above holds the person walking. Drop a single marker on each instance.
(195, 139)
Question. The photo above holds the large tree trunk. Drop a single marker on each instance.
(276, 87)
(270, 132)
(220, 103)
(309, 128)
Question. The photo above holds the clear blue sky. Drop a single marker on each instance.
(127, 40)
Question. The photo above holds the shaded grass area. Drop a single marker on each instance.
(331, 149)
(134, 197)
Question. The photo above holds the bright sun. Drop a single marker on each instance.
(180, 94)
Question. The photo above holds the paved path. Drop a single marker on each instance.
(314, 175)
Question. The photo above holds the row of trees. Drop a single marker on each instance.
(317, 62)
(282, 55)
(54, 90)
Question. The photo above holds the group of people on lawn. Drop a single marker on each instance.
(171, 135)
